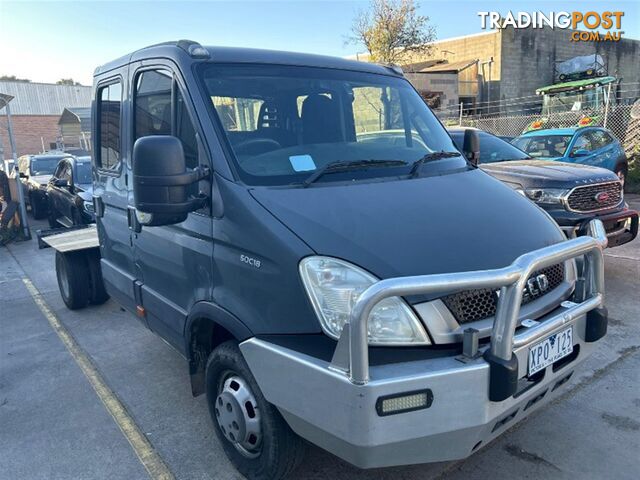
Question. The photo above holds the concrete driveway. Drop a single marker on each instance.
(53, 425)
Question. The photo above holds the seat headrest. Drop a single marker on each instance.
(320, 120)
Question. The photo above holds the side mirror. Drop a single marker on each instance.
(471, 146)
(60, 182)
(580, 153)
(161, 181)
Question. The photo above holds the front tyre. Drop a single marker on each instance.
(252, 432)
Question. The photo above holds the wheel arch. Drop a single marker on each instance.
(207, 326)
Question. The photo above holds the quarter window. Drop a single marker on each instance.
(109, 106)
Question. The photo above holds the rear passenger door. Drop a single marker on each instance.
(173, 263)
(111, 186)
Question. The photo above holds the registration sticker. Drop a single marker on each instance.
(302, 163)
(550, 350)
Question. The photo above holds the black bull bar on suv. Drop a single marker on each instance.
(352, 353)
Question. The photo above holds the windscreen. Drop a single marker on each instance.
(492, 148)
(44, 165)
(572, 101)
(285, 122)
(543, 146)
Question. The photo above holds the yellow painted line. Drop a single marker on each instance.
(147, 455)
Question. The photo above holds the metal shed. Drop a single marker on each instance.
(75, 127)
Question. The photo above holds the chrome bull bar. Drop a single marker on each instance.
(352, 352)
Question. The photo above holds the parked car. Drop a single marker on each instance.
(593, 146)
(70, 193)
(572, 194)
(320, 287)
(35, 172)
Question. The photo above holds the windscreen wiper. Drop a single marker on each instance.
(415, 169)
(346, 166)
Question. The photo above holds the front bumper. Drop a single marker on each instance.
(621, 227)
(475, 397)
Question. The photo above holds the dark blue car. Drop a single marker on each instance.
(593, 146)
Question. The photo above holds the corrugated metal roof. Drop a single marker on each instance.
(44, 98)
(75, 115)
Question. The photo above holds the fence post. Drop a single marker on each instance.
(460, 119)
(606, 106)
(24, 223)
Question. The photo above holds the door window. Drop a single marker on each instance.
(153, 103)
(583, 142)
(66, 173)
(109, 106)
(59, 169)
(160, 109)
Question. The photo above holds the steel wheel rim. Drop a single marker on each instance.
(238, 416)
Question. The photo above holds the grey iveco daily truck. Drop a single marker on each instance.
(376, 295)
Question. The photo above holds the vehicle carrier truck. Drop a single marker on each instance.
(384, 299)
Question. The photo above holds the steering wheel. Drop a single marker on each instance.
(257, 146)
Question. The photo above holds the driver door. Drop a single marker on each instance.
(173, 262)
(583, 142)
(65, 194)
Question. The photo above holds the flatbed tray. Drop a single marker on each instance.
(69, 239)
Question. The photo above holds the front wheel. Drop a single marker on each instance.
(253, 434)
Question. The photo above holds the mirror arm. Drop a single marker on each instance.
(182, 179)
(192, 204)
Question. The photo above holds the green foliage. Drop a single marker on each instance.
(392, 30)
(67, 81)
(13, 78)
(633, 176)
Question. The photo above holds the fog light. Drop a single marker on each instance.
(404, 402)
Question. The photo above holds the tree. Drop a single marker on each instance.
(67, 81)
(13, 78)
(392, 31)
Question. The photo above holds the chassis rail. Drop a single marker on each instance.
(352, 352)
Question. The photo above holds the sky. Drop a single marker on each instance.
(48, 40)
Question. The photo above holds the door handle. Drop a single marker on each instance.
(132, 220)
(98, 206)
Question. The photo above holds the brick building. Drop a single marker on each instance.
(35, 113)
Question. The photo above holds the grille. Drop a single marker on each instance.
(583, 199)
(473, 305)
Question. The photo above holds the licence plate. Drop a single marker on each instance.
(551, 349)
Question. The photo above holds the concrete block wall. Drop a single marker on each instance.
(529, 56)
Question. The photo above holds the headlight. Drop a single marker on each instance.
(334, 286)
(88, 207)
(546, 195)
